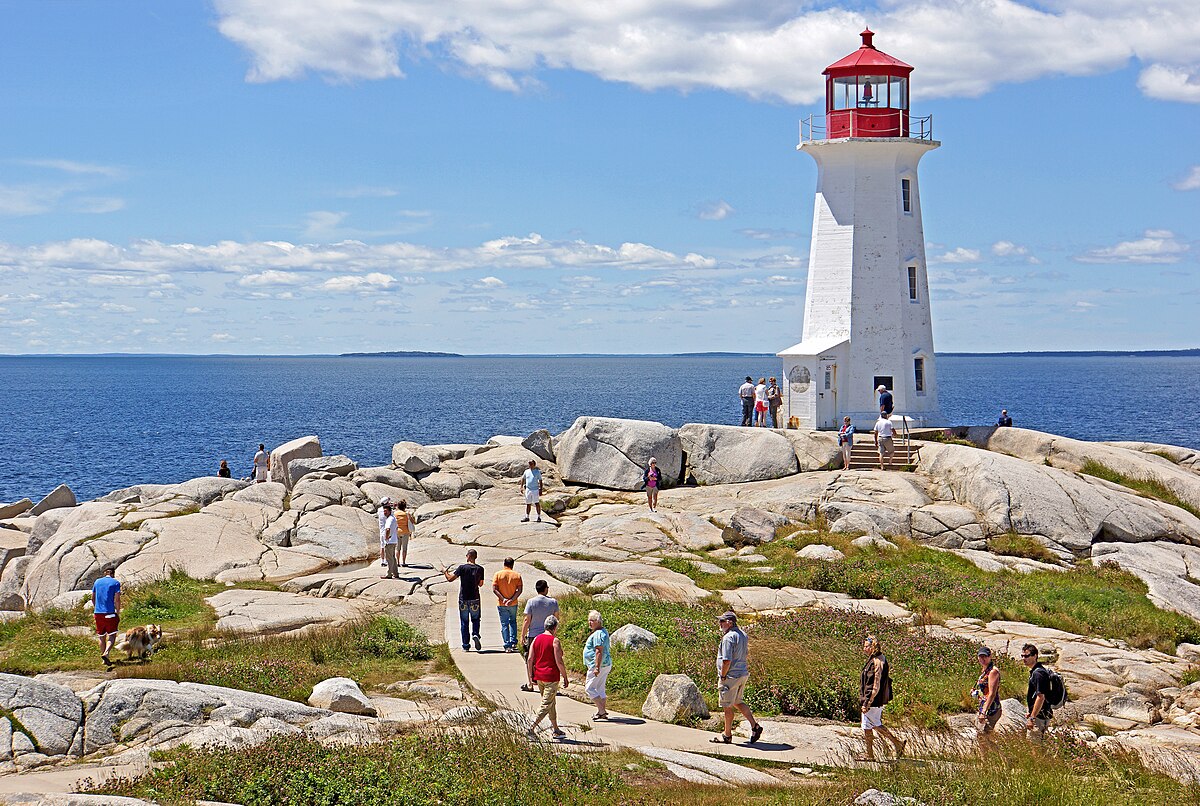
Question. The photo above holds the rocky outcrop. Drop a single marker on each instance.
(633, 637)
(751, 527)
(540, 443)
(257, 612)
(49, 714)
(613, 453)
(674, 698)
(815, 450)
(819, 551)
(339, 465)
(726, 454)
(413, 458)
(14, 509)
(341, 695)
(281, 457)
(61, 496)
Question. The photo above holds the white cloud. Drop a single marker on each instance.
(272, 277)
(322, 223)
(222, 337)
(1008, 249)
(115, 307)
(1155, 246)
(194, 310)
(761, 48)
(366, 192)
(1191, 181)
(491, 282)
(23, 200)
(73, 167)
(959, 255)
(715, 211)
(99, 204)
(374, 280)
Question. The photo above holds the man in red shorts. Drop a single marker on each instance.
(106, 600)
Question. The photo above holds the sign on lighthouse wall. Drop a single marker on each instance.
(866, 313)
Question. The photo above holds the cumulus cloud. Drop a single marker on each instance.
(272, 277)
(959, 255)
(222, 337)
(352, 282)
(759, 48)
(1191, 181)
(715, 211)
(490, 282)
(74, 167)
(1155, 246)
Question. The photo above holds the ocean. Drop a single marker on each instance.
(101, 423)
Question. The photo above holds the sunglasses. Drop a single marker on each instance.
(1028, 655)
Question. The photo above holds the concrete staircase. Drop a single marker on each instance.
(865, 456)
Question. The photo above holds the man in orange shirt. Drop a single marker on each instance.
(507, 585)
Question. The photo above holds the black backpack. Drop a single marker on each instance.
(1058, 690)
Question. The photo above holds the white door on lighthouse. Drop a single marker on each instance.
(827, 407)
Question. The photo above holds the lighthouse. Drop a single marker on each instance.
(866, 310)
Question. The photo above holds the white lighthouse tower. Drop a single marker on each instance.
(866, 312)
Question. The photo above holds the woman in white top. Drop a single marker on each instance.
(760, 403)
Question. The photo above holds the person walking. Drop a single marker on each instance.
(531, 488)
(1037, 695)
(106, 606)
(470, 580)
(1005, 421)
(884, 439)
(760, 403)
(597, 657)
(733, 670)
(987, 691)
(223, 471)
(846, 441)
(508, 585)
(652, 481)
(389, 537)
(383, 502)
(546, 669)
(403, 529)
(774, 401)
(746, 394)
(885, 400)
(262, 464)
(536, 611)
(874, 692)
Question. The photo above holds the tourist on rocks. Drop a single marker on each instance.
(1037, 696)
(1005, 421)
(884, 439)
(470, 580)
(846, 441)
(987, 691)
(531, 488)
(262, 464)
(404, 529)
(733, 670)
(223, 471)
(389, 536)
(885, 400)
(508, 585)
(597, 657)
(106, 604)
(546, 669)
(760, 403)
(874, 692)
(774, 401)
(536, 611)
(386, 501)
(746, 395)
(652, 481)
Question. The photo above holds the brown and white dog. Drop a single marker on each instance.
(140, 641)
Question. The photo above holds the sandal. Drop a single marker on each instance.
(526, 687)
(721, 739)
(756, 733)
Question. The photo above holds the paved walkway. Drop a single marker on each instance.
(498, 677)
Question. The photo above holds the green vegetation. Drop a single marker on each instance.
(1018, 545)
(944, 437)
(1148, 487)
(1088, 599)
(805, 663)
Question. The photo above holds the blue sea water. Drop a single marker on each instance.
(100, 423)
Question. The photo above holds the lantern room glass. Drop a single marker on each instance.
(869, 92)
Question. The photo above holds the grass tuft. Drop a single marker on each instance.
(1148, 487)
(1013, 544)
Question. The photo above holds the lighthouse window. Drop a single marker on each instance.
(919, 375)
(912, 283)
(906, 194)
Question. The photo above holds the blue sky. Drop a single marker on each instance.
(298, 176)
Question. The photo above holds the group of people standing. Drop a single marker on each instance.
(760, 402)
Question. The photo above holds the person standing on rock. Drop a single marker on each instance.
(106, 604)
(987, 691)
(885, 400)
(546, 669)
(1005, 421)
(874, 692)
(531, 488)
(846, 441)
(774, 401)
(1037, 696)
(383, 503)
(536, 611)
(390, 537)
(884, 439)
(470, 580)
(652, 481)
(508, 585)
(403, 529)
(733, 671)
(597, 657)
(760, 403)
(746, 394)
(262, 464)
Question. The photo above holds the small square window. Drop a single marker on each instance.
(912, 283)
(906, 194)
(919, 375)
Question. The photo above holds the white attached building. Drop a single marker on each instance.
(866, 313)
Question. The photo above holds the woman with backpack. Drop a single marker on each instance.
(874, 692)
(987, 691)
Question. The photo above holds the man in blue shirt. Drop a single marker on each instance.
(733, 670)
(106, 601)
(885, 400)
(531, 488)
(1005, 421)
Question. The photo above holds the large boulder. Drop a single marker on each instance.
(12, 583)
(815, 450)
(50, 713)
(673, 698)
(750, 527)
(206, 489)
(413, 458)
(540, 443)
(342, 695)
(505, 461)
(339, 465)
(820, 551)
(727, 454)
(281, 457)
(61, 496)
(633, 637)
(14, 509)
(613, 453)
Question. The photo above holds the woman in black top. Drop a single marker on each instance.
(223, 472)
(874, 692)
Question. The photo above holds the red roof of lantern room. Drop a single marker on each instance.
(867, 60)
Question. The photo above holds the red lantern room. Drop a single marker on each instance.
(866, 94)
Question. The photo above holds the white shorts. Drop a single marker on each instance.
(532, 496)
(260, 473)
(595, 684)
(873, 718)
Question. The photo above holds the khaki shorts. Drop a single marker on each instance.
(730, 691)
(886, 447)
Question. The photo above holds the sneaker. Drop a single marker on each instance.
(477, 646)
(539, 520)
(383, 563)
(558, 734)
(466, 649)
(524, 520)
(756, 733)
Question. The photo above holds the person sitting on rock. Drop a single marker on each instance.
(1005, 421)
(223, 471)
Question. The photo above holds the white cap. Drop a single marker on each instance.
(881, 388)
(385, 501)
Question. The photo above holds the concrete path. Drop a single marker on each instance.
(498, 676)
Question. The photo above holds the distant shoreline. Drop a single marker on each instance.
(1188, 353)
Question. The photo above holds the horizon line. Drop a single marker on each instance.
(425, 354)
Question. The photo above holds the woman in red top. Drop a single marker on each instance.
(546, 667)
